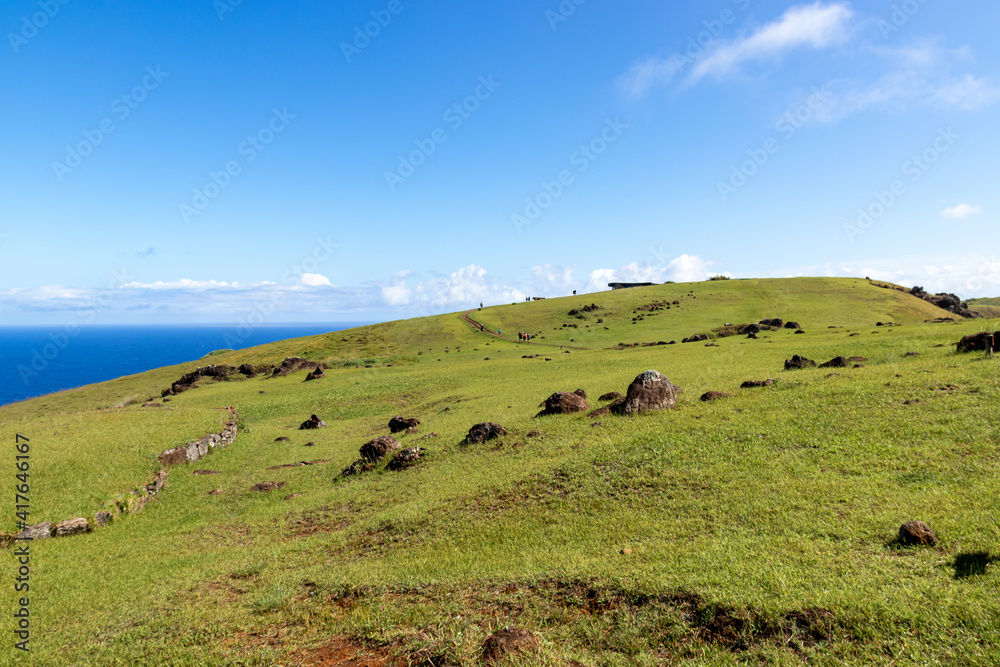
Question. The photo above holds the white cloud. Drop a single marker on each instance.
(648, 74)
(817, 26)
(187, 284)
(553, 280)
(961, 211)
(315, 280)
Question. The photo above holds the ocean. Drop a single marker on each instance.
(40, 360)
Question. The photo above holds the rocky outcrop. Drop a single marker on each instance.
(400, 424)
(375, 450)
(563, 402)
(946, 301)
(313, 422)
(649, 391)
(979, 342)
(483, 432)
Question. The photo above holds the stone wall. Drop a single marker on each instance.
(131, 502)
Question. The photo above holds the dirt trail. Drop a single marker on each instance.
(481, 329)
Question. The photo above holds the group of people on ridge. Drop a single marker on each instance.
(523, 337)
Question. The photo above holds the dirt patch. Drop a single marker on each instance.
(325, 519)
(344, 652)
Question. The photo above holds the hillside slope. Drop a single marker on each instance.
(755, 529)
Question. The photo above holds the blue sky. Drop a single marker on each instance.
(218, 161)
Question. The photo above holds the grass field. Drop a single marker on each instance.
(757, 529)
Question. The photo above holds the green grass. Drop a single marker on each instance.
(688, 536)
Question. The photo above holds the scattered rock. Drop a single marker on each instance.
(798, 362)
(836, 362)
(267, 486)
(832, 375)
(283, 439)
(751, 384)
(397, 424)
(714, 395)
(563, 402)
(610, 396)
(912, 354)
(216, 492)
(799, 331)
(548, 358)
(411, 431)
(917, 534)
(649, 391)
(429, 435)
(697, 338)
(857, 358)
(626, 552)
(483, 432)
(772, 322)
(294, 495)
(152, 405)
(792, 325)
(406, 458)
(315, 375)
(534, 434)
(357, 468)
(206, 472)
(508, 642)
(102, 519)
(312, 423)
(72, 527)
(376, 449)
(581, 393)
(39, 531)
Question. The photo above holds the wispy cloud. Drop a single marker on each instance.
(817, 26)
(961, 211)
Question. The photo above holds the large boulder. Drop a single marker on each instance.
(482, 432)
(649, 391)
(509, 642)
(376, 449)
(400, 424)
(979, 342)
(312, 423)
(798, 362)
(772, 322)
(563, 402)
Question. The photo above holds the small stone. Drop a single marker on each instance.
(917, 534)
(626, 551)
(267, 486)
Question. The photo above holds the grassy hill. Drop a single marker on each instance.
(987, 307)
(754, 529)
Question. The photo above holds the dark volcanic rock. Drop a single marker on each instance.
(610, 396)
(697, 338)
(188, 380)
(714, 395)
(979, 342)
(748, 329)
(751, 384)
(397, 424)
(798, 362)
(773, 322)
(482, 432)
(312, 423)
(406, 458)
(792, 325)
(946, 301)
(917, 533)
(836, 362)
(357, 468)
(292, 364)
(283, 438)
(582, 393)
(508, 642)
(315, 375)
(374, 450)
(648, 391)
(563, 402)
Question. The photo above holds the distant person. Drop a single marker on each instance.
(574, 292)
(480, 305)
